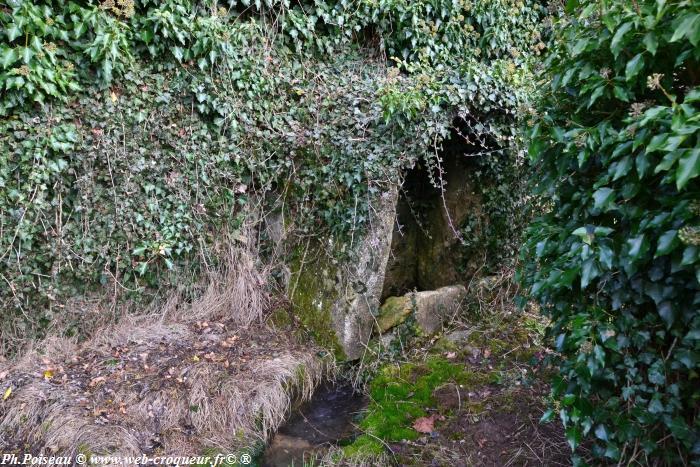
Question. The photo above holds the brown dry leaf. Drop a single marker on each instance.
(424, 424)
(3, 374)
(230, 342)
(487, 353)
(451, 355)
(97, 380)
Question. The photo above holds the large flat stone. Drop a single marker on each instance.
(431, 308)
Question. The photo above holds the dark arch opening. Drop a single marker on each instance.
(426, 251)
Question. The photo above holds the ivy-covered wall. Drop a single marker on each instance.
(134, 132)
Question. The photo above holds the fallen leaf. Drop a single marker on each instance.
(98, 380)
(451, 354)
(195, 358)
(48, 374)
(3, 374)
(113, 96)
(8, 391)
(424, 424)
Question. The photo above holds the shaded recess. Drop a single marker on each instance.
(426, 250)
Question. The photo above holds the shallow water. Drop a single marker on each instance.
(329, 417)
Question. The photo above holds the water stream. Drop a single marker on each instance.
(327, 419)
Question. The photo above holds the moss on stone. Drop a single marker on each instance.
(393, 312)
(313, 298)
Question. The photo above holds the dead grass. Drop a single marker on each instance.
(185, 378)
(335, 457)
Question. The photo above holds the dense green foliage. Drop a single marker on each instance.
(134, 132)
(614, 259)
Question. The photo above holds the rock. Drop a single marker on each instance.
(393, 312)
(459, 336)
(434, 307)
(431, 308)
(338, 301)
(286, 450)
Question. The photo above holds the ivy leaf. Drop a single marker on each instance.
(667, 243)
(634, 66)
(141, 268)
(177, 53)
(601, 433)
(667, 313)
(680, 429)
(605, 256)
(139, 250)
(655, 406)
(8, 57)
(579, 47)
(688, 167)
(573, 437)
(651, 42)
(26, 53)
(692, 96)
(668, 161)
(589, 271)
(597, 92)
(616, 43)
(603, 198)
(13, 32)
(657, 142)
(690, 28)
(571, 6)
(642, 162)
(637, 246)
(568, 399)
(690, 255)
(547, 416)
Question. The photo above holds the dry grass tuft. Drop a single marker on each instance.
(188, 377)
(335, 457)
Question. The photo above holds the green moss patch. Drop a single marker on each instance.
(399, 395)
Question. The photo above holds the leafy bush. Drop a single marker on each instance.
(614, 259)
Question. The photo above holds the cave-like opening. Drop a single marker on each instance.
(426, 248)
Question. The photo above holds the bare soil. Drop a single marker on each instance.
(488, 426)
